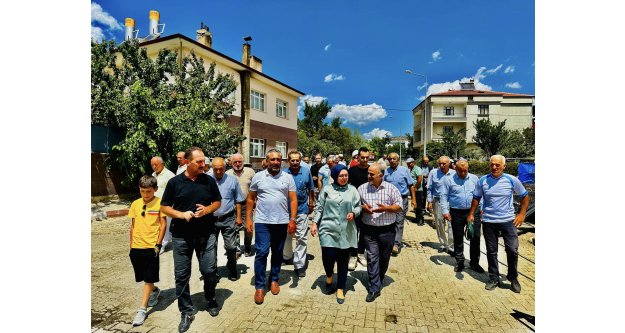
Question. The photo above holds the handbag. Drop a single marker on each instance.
(468, 231)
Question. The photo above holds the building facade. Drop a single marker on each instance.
(458, 109)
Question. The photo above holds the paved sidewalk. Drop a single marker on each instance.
(421, 293)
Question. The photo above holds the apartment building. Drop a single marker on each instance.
(458, 109)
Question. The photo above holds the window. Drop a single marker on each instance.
(257, 148)
(281, 108)
(281, 146)
(449, 110)
(257, 101)
(483, 110)
(448, 129)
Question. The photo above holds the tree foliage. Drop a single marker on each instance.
(453, 144)
(519, 143)
(491, 138)
(163, 105)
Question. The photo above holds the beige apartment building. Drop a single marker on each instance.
(458, 109)
(265, 108)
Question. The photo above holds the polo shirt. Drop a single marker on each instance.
(434, 179)
(230, 194)
(272, 194)
(400, 177)
(498, 204)
(324, 172)
(182, 194)
(415, 173)
(358, 176)
(303, 184)
(456, 192)
(385, 194)
(147, 227)
(161, 181)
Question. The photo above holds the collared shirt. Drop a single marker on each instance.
(456, 192)
(385, 194)
(245, 179)
(324, 172)
(181, 169)
(425, 171)
(161, 181)
(272, 193)
(416, 173)
(230, 194)
(498, 204)
(147, 223)
(400, 177)
(303, 184)
(434, 179)
(182, 194)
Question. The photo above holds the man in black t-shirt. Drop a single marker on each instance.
(358, 176)
(190, 198)
(314, 172)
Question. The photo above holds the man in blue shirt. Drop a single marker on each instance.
(324, 172)
(228, 214)
(456, 194)
(400, 177)
(305, 204)
(443, 228)
(497, 189)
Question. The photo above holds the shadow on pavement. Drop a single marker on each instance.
(363, 277)
(524, 319)
(165, 299)
(432, 245)
(451, 261)
(199, 301)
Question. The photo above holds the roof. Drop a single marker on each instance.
(478, 93)
(219, 54)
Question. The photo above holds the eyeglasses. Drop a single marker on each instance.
(143, 212)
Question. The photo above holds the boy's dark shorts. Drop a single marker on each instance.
(145, 264)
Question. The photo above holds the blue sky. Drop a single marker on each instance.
(354, 53)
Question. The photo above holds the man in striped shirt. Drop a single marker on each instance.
(381, 201)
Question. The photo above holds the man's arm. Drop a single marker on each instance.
(239, 207)
(520, 218)
(205, 210)
(444, 198)
(474, 203)
(132, 228)
(170, 211)
(293, 212)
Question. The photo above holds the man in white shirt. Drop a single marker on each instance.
(163, 175)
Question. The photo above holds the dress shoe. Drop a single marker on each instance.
(492, 284)
(233, 276)
(275, 288)
(451, 253)
(371, 296)
(441, 249)
(328, 288)
(477, 268)
(185, 322)
(259, 296)
(459, 267)
(340, 300)
(213, 308)
(516, 286)
(300, 272)
(287, 261)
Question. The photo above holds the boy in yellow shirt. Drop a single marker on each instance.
(146, 236)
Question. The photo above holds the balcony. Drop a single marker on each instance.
(449, 119)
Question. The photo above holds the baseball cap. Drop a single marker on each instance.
(409, 160)
(355, 152)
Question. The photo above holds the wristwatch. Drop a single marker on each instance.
(159, 246)
(292, 219)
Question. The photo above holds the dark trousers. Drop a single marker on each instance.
(228, 228)
(331, 255)
(418, 211)
(268, 236)
(379, 244)
(425, 193)
(507, 230)
(206, 252)
(247, 237)
(361, 239)
(458, 223)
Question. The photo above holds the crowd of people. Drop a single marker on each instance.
(357, 210)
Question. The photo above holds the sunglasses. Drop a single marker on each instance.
(143, 212)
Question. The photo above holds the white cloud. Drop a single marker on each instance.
(102, 17)
(327, 47)
(494, 70)
(333, 77)
(455, 85)
(96, 34)
(358, 114)
(376, 132)
(508, 70)
(310, 99)
(513, 85)
(437, 55)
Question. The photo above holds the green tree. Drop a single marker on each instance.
(380, 146)
(162, 105)
(519, 143)
(491, 138)
(453, 144)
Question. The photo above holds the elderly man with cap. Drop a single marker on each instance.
(443, 229)
(497, 189)
(415, 172)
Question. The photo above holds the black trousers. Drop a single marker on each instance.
(379, 244)
(458, 222)
(361, 239)
(331, 255)
(418, 211)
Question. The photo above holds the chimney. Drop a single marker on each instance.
(130, 29)
(256, 63)
(204, 36)
(154, 17)
(247, 52)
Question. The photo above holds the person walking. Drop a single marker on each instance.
(244, 175)
(443, 227)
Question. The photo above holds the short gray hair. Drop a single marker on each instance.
(503, 159)
(271, 151)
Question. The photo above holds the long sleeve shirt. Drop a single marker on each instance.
(334, 203)
(434, 180)
(456, 192)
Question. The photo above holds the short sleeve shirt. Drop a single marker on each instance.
(400, 177)
(230, 194)
(245, 179)
(497, 194)
(147, 223)
(303, 184)
(385, 194)
(416, 173)
(161, 181)
(272, 193)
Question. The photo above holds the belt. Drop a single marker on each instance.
(460, 209)
(225, 216)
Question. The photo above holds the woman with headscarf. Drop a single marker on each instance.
(335, 213)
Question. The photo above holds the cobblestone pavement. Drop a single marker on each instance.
(421, 293)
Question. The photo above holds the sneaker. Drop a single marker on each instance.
(353, 261)
(153, 300)
(362, 260)
(185, 322)
(516, 286)
(492, 284)
(140, 317)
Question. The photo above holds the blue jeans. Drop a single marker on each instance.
(507, 230)
(206, 252)
(268, 236)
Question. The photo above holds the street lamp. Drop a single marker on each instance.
(425, 137)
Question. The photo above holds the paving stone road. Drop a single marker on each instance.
(421, 293)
